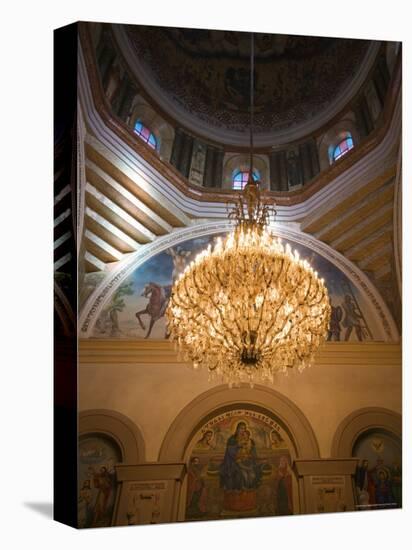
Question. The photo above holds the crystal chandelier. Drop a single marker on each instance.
(249, 307)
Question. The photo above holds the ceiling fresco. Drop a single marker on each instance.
(295, 77)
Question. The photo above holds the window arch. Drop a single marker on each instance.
(145, 134)
(240, 178)
(343, 147)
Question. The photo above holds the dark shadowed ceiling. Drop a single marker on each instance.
(207, 73)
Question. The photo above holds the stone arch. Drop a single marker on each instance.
(163, 131)
(221, 399)
(360, 422)
(235, 161)
(334, 135)
(117, 427)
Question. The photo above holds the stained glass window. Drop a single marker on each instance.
(343, 147)
(240, 178)
(145, 134)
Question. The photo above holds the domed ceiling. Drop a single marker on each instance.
(205, 74)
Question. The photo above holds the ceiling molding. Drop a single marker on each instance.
(104, 352)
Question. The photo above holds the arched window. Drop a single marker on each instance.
(145, 134)
(240, 177)
(345, 145)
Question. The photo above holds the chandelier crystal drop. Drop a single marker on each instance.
(249, 307)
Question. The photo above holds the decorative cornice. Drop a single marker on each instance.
(161, 352)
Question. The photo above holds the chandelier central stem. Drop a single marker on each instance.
(252, 100)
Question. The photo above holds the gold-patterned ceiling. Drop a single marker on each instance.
(295, 77)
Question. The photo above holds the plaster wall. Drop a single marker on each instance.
(152, 395)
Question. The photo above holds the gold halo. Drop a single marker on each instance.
(236, 421)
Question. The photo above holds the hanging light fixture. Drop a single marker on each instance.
(250, 307)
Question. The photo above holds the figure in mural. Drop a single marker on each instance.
(85, 509)
(365, 488)
(104, 481)
(284, 502)
(334, 324)
(293, 169)
(158, 299)
(383, 490)
(246, 458)
(240, 473)
(198, 163)
(353, 319)
(220, 441)
(379, 486)
(97, 481)
(276, 441)
(196, 491)
(205, 442)
(396, 476)
(180, 258)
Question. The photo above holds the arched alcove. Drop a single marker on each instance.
(374, 436)
(360, 422)
(163, 131)
(221, 399)
(234, 162)
(277, 433)
(333, 136)
(98, 455)
(119, 428)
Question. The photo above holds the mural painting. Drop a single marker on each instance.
(97, 483)
(378, 477)
(88, 285)
(240, 466)
(136, 309)
(197, 166)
